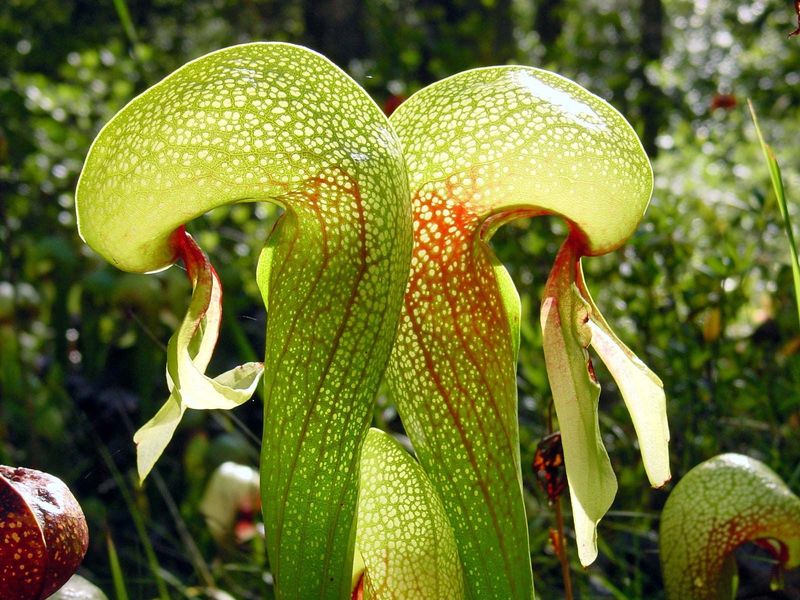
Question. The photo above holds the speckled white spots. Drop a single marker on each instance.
(493, 144)
(403, 535)
(277, 122)
(43, 534)
(534, 139)
(717, 506)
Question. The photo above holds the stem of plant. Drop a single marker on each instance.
(561, 548)
(561, 551)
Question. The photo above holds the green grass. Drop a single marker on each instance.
(116, 569)
(780, 195)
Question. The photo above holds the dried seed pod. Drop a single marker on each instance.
(43, 534)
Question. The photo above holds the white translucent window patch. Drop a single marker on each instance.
(566, 104)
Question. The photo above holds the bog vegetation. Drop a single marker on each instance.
(703, 290)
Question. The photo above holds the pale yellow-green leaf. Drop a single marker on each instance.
(642, 390)
(403, 536)
(643, 395)
(152, 438)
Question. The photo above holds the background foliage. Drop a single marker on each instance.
(703, 291)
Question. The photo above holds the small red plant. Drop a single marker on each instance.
(723, 101)
(548, 464)
(391, 103)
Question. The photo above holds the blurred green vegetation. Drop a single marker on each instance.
(703, 292)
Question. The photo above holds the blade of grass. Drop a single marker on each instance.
(124, 15)
(138, 522)
(780, 195)
(116, 569)
(193, 552)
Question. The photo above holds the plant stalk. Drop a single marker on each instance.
(561, 551)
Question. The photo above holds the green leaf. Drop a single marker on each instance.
(716, 507)
(280, 123)
(484, 147)
(404, 536)
(117, 576)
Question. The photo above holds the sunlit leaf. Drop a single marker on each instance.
(482, 148)
(780, 196)
(642, 391)
(188, 353)
(565, 333)
(716, 507)
(272, 122)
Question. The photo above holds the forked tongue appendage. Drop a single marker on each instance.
(571, 323)
(641, 389)
(188, 353)
(575, 392)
